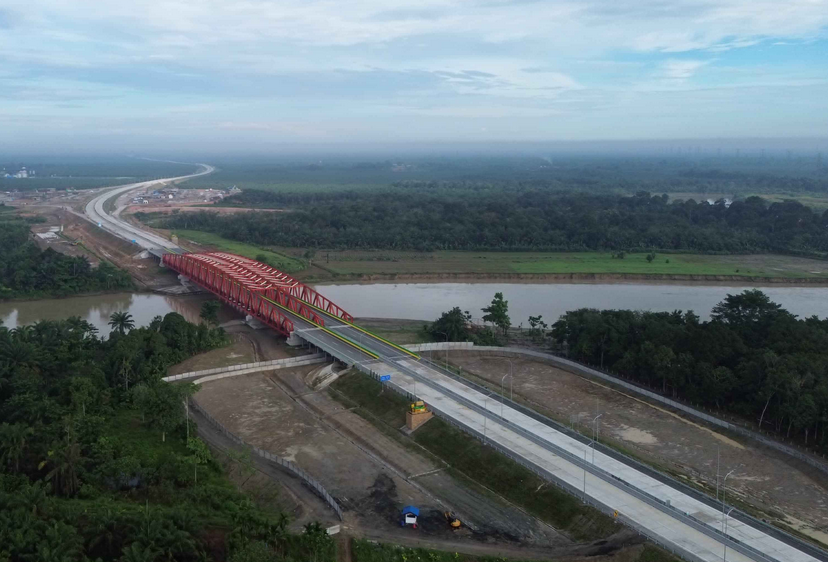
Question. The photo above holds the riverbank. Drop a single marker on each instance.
(585, 278)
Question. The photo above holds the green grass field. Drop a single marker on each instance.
(275, 259)
(355, 263)
(369, 551)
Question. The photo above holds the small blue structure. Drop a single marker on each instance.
(409, 516)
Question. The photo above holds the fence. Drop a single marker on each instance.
(550, 477)
(307, 478)
(253, 367)
(583, 370)
(767, 528)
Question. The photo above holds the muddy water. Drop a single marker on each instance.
(97, 309)
(426, 301)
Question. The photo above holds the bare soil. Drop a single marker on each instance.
(771, 482)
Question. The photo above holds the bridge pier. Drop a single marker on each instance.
(294, 340)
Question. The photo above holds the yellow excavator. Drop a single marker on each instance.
(452, 520)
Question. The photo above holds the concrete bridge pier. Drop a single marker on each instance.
(294, 340)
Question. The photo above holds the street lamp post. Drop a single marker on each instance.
(502, 397)
(724, 496)
(594, 434)
(724, 557)
(486, 408)
(445, 334)
(511, 380)
(585, 455)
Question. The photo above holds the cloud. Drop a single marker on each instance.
(681, 69)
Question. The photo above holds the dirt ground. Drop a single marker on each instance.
(780, 487)
(279, 413)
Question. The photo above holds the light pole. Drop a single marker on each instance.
(585, 452)
(511, 380)
(486, 408)
(445, 334)
(717, 472)
(724, 495)
(724, 557)
(502, 397)
(594, 434)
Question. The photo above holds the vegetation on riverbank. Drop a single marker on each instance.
(95, 459)
(429, 217)
(753, 359)
(26, 271)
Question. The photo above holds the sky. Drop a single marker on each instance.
(252, 74)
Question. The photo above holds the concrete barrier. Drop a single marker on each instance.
(252, 367)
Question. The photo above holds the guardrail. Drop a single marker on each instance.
(738, 515)
(610, 478)
(307, 478)
(568, 364)
(252, 367)
(545, 474)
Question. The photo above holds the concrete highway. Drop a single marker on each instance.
(96, 212)
(668, 515)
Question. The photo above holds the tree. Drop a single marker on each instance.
(199, 454)
(13, 439)
(161, 404)
(137, 552)
(66, 461)
(121, 321)
(451, 326)
(537, 327)
(498, 313)
(209, 312)
(745, 308)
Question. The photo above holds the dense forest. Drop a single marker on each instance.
(753, 359)
(434, 216)
(95, 463)
(683, 171)
(26, 271)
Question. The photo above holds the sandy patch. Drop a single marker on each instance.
(636, 435)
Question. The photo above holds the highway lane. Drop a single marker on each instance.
(96, 212)
(542, 442)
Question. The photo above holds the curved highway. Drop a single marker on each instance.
(96, 212)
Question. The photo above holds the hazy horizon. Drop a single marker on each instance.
(169, 76)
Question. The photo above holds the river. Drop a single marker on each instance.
(425, 301)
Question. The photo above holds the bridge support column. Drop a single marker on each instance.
(294, 340)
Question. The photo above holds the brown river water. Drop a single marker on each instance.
(425, 301)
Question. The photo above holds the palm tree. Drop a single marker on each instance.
(65, 463)
(121, 321)
(136, 552)
(13, 443)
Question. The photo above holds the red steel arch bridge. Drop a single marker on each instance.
(283, 303)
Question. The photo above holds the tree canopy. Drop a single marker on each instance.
(753, 358)
(460, 216)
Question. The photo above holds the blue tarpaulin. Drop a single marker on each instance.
(411, 509)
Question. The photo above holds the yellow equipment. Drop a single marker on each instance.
(418, 407)
(452, 519)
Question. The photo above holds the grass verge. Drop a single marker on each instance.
(275, 259)
(469, 458)
(368, 551)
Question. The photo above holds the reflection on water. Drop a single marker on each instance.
(97, 309)
(426, 301)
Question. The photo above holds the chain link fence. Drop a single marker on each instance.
(317, 487)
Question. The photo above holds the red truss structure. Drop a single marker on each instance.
(253, 287)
